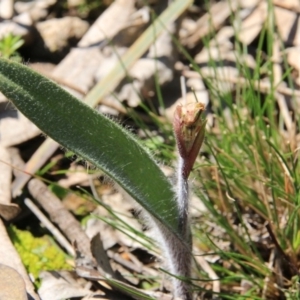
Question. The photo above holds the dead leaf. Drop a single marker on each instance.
(15, 128)
(63, 285)
(5, 176)
(101, 257)
(212, 20)
(293, 55)
(82, 62)
(252, 25)
(12, 286)
(9, 211)
(288, 25)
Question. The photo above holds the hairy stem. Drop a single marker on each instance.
(182, 254)
(182, 193)
(189, 130)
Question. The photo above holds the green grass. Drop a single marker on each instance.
(9, 46)
(249, 179)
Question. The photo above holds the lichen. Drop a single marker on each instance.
(38, 253)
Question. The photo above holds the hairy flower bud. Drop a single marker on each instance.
(189, 129)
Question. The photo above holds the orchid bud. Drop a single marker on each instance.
(189, 129)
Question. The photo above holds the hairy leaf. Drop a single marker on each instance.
(92, 136)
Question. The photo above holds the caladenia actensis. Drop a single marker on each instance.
(52, 109)
(189, 130)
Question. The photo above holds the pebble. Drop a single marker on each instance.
(6, 9)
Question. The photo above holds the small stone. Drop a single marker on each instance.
(37, 10)
(6, 9)
(57, 32)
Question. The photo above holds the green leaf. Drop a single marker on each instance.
(93, 137)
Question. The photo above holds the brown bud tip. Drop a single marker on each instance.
(189, 129)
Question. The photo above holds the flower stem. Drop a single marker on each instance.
(189, 130)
